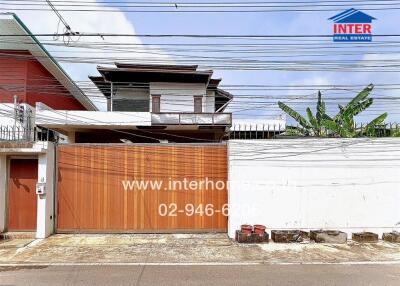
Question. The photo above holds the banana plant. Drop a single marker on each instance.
(313, 125)
(356, 101)
(345, 117)
(342, 124)
(346, 131)
(305, 128)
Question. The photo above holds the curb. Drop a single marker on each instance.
(196, 264)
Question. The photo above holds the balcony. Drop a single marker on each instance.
(16, 133)
(70, 119)
(175, 118)
(23, 137)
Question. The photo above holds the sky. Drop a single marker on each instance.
(277, 23)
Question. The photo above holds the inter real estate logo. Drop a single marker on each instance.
(352, 26)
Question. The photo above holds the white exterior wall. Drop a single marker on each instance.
(179, 97)
(209, 102)
(346, 184)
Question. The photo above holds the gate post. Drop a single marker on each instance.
(3, 192)
(45, 207)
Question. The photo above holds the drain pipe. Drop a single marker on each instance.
(55, 184)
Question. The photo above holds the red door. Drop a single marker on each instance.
(22, 195)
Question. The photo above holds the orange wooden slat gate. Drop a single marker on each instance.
(22, 195)
(141, 188)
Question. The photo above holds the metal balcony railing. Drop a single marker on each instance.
(11, 133)
(178, 118)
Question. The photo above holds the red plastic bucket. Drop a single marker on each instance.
(246, 228)
(259, 229)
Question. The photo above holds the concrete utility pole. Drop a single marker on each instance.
(15, 115)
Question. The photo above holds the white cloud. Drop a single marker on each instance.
(391, 106)
(301, 99)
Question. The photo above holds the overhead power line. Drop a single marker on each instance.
(203, 7)
(185, 5)
(210, 2)
(255, 36)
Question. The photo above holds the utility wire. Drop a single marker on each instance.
(206, 36)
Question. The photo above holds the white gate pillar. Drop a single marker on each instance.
(45, 203)
(3, 192)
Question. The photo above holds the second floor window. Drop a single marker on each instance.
(198, 104)
(155, 103)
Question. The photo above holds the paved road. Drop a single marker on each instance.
(298, 275)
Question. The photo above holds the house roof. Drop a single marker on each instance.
(157, 67)
(101, 84)
(222, 97)
(154, 73)
(12, 25)
(352, 16)
(214, 82)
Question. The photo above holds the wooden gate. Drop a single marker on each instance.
(141, 188)
(22, 199)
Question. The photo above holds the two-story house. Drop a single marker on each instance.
(149, 103)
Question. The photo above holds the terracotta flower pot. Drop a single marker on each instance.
(259, 229)
(246, 228)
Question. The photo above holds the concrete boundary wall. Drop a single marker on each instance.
(346, 184)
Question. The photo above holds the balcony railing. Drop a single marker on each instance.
(21, 134)
(175, 118)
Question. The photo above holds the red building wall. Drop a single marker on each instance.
(12, 77)
(24, 76)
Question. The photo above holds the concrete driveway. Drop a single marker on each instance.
(185, 249)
